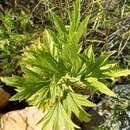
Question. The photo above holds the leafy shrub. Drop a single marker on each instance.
(15, 31)
(54, 66)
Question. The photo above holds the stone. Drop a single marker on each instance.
(111, 113)
(4, 98)
(25, 119)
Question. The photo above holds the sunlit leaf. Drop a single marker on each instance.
(100, 86)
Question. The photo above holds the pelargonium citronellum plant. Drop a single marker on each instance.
(54, 67)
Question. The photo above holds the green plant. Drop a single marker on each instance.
(15, 31)
(54, 66)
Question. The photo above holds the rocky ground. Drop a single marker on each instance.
(25, 119)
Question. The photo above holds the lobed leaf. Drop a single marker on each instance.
(57, 119)
(100, 86)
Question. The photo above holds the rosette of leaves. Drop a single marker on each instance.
(54, 66)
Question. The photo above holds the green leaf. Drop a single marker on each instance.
(55, 40)
(44, 60)
(117, 73)
(40, 98)
(94, 65)
(59, 24)
(82, 100)
(100, 86)
(24, 94)
(12, 81)
(90, 55)
(103, 58)
(76, 101)
(81, 29)
(108, 65)
(57, 119)
(17, 81)
(75, 16)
